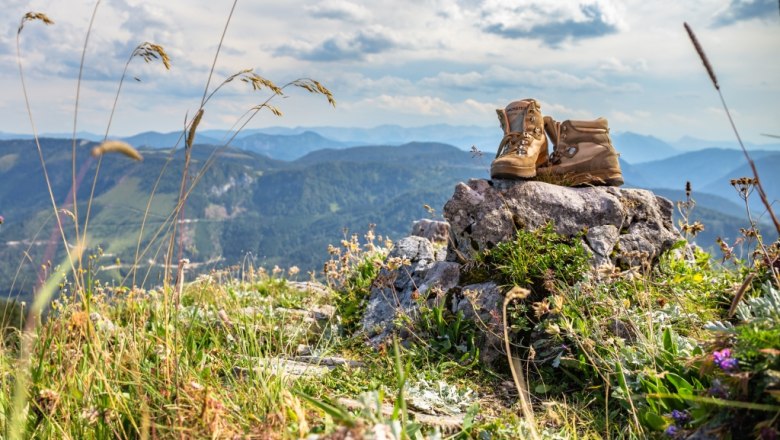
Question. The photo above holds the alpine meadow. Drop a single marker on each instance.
(303, 221)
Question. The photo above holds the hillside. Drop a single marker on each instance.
(701, 168)
(636, 148)
(280, 212)
(768, 166)
(276, 212)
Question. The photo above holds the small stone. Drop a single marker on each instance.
(437, 232)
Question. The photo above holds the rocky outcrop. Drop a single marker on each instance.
(619, 227)
(622, 226)
(437, 232)
(414, 267)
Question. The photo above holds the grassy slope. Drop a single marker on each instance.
(278, 213)
(134, 365)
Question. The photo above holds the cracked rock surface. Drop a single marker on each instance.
(622, 226)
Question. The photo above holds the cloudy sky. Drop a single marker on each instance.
(407, 62)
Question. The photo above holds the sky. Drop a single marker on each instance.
(402, 62)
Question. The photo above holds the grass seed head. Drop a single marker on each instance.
(34, 16)
(117, 147)
(150, 51)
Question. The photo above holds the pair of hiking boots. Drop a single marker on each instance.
(582, 150)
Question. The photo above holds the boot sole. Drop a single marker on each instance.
(505, 171)
(610, 177)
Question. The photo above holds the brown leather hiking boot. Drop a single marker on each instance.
(524, 145)
(583, 153)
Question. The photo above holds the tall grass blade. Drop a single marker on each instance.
(711, 73)
(22, 380)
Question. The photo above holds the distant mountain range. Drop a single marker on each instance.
(282, 198)
(246, 205)
(286, 143)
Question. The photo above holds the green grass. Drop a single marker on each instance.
(612, 358)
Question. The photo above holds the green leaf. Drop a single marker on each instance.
(653, 420)
(468, 419)
(338, 413)
(668, 339)
(682, 385)
(542, 388)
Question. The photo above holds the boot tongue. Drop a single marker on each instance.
(515, 114)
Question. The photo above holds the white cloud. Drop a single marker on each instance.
(339, 10)
(498, 77)
(551, 22)
(343, 47)
(615, 65)
(401, 61)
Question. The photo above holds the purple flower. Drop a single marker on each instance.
(680, 417)
(718, 390)
(768, 433)
(724, 360)
(672, 431)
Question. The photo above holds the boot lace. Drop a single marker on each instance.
(514, 142)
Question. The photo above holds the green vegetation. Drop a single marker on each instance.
(536, 259)
(674, 347)
(624, 355)
(245, 205)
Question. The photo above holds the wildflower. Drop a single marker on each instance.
(694, 228)
(553, 329)
(557, 304)
(395, 263)
(680, 417)
(672, 431)
(744, 186)
(2, 219)
(724, 360)
(725, 249)
(768, 433)
(717, 390)
(292, 271)
(541, 308)
(90, 415)
(749, 232)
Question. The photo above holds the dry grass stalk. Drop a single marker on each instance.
(38, 16)
(117, 147)
(193, 128)
(516, 366)
(711, 73)
(150, 51)
(740, 294)
(34, 16)
(147, 51)
(702, 55)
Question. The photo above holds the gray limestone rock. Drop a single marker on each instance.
(623, 226)
(394, 293)
(436, 231)
(482, 304)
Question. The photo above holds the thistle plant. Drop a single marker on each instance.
(685, 208)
